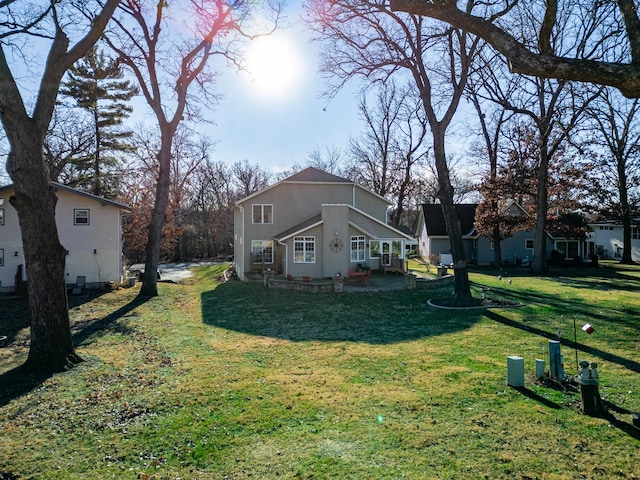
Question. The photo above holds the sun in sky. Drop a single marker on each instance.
(274, 65)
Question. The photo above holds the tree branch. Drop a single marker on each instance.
(623, 76)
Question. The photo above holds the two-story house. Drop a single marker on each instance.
(315, 224)
(89, 227)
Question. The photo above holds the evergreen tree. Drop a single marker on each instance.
(96, 85)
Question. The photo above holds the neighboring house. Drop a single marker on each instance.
(315, 224)
(89, 227)
(433, 238)
(606, 239)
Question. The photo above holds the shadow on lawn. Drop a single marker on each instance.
(372, 317)
(17, 382)
(610, 357)
(624, 314)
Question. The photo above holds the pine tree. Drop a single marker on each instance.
(96, 85)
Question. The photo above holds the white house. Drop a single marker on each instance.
(606, 240)
(89, 228)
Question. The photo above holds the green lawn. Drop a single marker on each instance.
(231, 380)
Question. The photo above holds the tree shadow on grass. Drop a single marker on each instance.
(628, 363)
(621, 314)
(86, 330)
(17, 382)
(382, 317)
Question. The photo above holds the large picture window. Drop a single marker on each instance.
(358, 248)
(81, 216)
(262, 213)
(262, 251)
(304, 249)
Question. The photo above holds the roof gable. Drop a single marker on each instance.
(434, 219)
(59, 186)
(312, 174)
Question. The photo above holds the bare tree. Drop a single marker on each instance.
(553, 106)
(365, 39)
(387, 154)
(491, 123)
(249, 178)
(53, 24)
(616, 160)
(598, 60)
(167, 57)
(67, 146)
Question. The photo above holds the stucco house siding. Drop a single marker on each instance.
(311, 203)
(89, 227)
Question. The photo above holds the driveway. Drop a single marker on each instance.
(172, 272)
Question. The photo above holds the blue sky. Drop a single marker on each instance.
(277, 129)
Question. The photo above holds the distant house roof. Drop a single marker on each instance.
(312, 174)
(434, 219)
(59, 186)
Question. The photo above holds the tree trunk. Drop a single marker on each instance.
(51, 348)
(154, 239)
(462, 289)
(623, 193)
(497, 246)
(539, 263)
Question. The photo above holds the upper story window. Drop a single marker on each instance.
(304, 249)
(357, 248)
(81, 216)
(262, 213)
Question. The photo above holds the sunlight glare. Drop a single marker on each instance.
(274, 65)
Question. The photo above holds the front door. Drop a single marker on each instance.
(385, 253)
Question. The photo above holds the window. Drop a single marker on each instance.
(262, 213)
(357, 248)
(1, 257)
(374, 249)
(262, 251)
(304, 249)
(568, 248)
(635, 232)
(528, 243)
(1, 216)
(81, 216)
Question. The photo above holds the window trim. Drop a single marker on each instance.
(306, 241)
(262, 209)
(75, 216)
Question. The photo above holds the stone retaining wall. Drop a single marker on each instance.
(316, 286)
